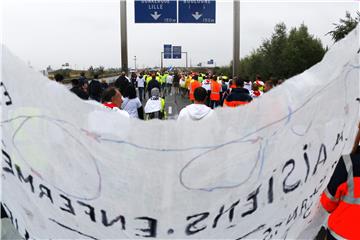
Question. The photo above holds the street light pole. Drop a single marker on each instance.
(123, 36)
(135, 63)
(236, 32)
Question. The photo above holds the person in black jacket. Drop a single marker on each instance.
(153, 83)
(238, 96)
(79, 89)
(95, 88)
(122, 83)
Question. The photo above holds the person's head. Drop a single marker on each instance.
(255, 87)
(123, 74)
(155, 92)
(200, 95)
(195, 77)
(82, 74)
(84, 85)
(268, 85)
(214, 77)
(59, 77)
(96, 76)
(239, 83)
(131, 92)
(258, 77)
(113, 95)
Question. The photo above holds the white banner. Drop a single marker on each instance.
(71, 169)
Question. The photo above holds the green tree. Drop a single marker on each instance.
(283, 55)
(90, 72)
(99, 70)
(344, 27)
(302, 51)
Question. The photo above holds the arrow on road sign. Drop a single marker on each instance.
(155, 15)
(197, 15)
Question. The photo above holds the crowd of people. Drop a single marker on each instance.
(143, 95)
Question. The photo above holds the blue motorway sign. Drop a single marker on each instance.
(197, 11)
(155, 11)
(167, 51)
(176, 52)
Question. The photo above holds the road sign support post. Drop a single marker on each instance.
(123, 36)
(186, 63)
(236, 41)
(162, 60)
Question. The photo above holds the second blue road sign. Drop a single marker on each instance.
(201, 11)
(176, 52)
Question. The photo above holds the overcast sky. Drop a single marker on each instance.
(84, 33)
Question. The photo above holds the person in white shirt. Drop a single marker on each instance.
(141, 86)
(248, 85)
(169, 82)
(131, 104)
(198, 110)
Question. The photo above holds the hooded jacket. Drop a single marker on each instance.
(195, 112)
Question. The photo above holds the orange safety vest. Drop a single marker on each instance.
(193, 85)
(215, 91)
(342, 199)
(234, 103)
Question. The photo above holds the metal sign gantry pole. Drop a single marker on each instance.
(162, 60)
(123, 36)
(236, 32)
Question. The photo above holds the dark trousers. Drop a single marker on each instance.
(141, 93)
(214, 104)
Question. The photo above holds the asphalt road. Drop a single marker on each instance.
(173, 104)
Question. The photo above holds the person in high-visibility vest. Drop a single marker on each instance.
(187, 84)
(148, 79)
(200, 78)
(238, 96)
(258, 81)
(193, 85)
(341, 198)
(215, 93)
